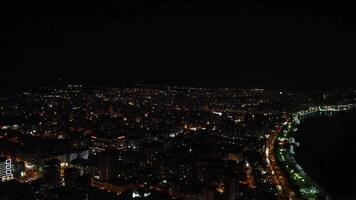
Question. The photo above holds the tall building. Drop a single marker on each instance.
(107, 166)
(71, 176)
(6, 171)
(51, 171)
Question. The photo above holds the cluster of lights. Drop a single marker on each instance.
(135, 194)
(307, 188)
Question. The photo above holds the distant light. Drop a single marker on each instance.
(29, 166)
(121, 137)
(64, 164)
(217, 113)
(135, 194)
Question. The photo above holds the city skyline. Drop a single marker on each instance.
(213, 100)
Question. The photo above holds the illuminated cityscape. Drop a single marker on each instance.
(169, 143)
(197, 100)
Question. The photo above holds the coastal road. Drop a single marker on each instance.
(285, 190)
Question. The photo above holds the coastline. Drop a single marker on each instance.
(283, 148)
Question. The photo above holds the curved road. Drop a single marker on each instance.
(285, 190)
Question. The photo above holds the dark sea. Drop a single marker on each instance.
(327, 151)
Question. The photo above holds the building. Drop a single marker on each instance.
(71, 176)
(107, 166)
(19, 169)
(6, 171)
(51, 171)
(231, 188)
(207, 193)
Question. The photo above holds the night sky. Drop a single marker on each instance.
(215, 44)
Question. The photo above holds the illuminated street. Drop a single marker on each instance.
(278, 176)
(292, 171)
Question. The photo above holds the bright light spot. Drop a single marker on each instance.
(135, 194)
(217, 113)
(23, 174)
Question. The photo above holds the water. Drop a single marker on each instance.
(327, 151)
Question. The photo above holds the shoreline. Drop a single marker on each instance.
(284, 143)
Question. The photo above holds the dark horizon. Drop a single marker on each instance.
(33, 79)
(212, 44)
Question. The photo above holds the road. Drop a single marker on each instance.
(250, 181)
(285, 190)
